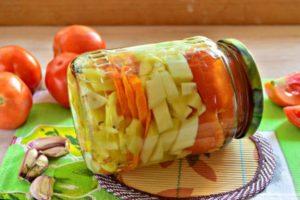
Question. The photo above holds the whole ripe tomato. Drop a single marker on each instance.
(17, 60)
(56, 77)
(15, 101)
(77, 39)
(293, 114)
(285, 91)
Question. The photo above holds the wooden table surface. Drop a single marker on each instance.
(276, 48)
(149, 12)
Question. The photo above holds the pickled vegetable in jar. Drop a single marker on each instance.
(153, 103)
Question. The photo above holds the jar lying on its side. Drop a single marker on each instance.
(153, 103)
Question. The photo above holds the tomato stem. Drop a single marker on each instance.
(1, 101)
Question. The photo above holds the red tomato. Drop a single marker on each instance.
(56, 77)
(15, 101)
(77, 39)
(285, 91)
(293, 114)
(17, 60)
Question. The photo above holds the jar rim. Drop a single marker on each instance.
(239, 50)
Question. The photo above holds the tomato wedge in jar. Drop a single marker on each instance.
(214, 87)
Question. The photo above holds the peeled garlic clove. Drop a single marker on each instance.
(28, 161)
(42, 188)
(40, 166)
(48, 142)
(55, 152)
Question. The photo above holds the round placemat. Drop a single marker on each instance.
(241, 170)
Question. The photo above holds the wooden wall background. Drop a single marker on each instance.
(148, 12)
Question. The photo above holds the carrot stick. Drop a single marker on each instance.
(134, 162)
(129, 94)
(140, 98)
(116, 76)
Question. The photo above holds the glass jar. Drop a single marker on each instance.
(153, 103)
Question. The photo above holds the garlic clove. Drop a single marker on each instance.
(55, 152)
(42, 188)
(28, 162)
(48, 142)
(41, 164)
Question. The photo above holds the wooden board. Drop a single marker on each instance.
(148, 12)
(276, 48)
